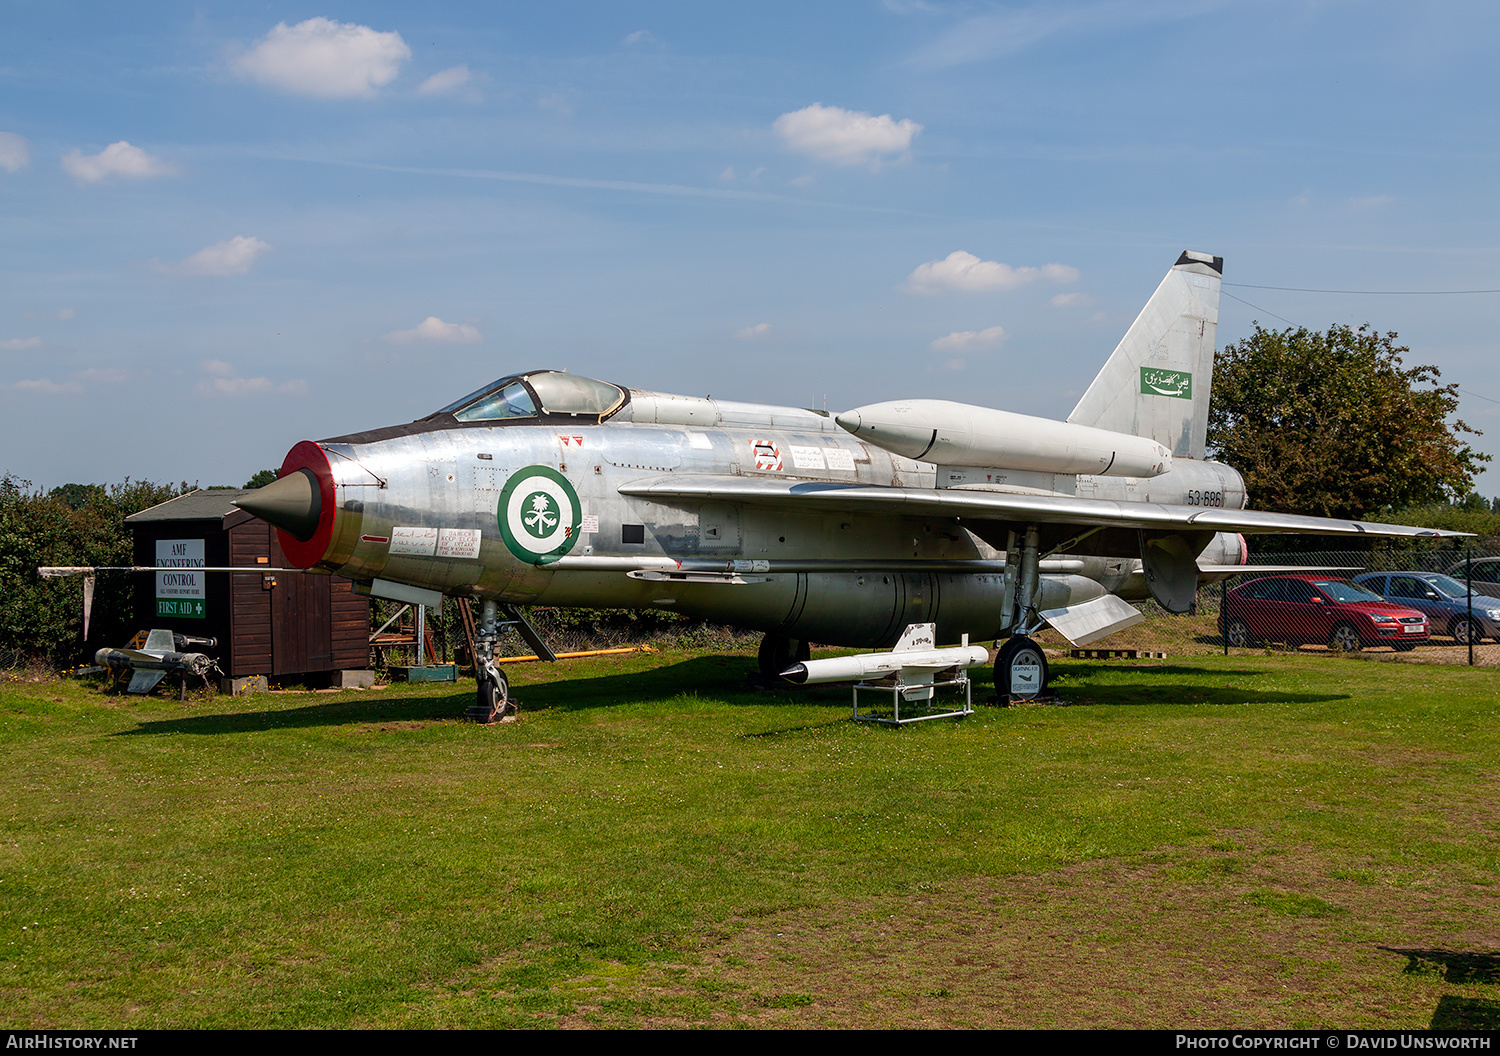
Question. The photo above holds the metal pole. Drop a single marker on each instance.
(1224, 612)
(421, 626)
(1469, 582)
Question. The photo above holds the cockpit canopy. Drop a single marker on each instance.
(535, 394)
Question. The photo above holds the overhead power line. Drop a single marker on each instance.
(1372, 293)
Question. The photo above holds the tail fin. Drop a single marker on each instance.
(1156, 384)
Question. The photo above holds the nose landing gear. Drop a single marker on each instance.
(494, 701)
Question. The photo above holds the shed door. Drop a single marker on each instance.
(301, 624)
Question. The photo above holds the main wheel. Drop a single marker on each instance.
(1020, 669)
(779, 652)
(1345, 639)
(1464, 631)
(1239, 634)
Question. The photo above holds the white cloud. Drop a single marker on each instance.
(640, 36)
(226, 382)
(15, 152)
(433, 329)
(1010, 30)
(1068, 300)
(75, 381)
(116, 160)
(1374, 201)
(320, 57)
(556, 102)
(845, 137)
(233, 256)
(63, 314)
(445, 81)
(964, 271)
(971, 340)
(750, 333)
(15, 344)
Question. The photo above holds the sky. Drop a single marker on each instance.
(228, 227)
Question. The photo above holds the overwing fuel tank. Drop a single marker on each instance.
(960, 434)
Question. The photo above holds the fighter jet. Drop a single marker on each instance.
(547, 488)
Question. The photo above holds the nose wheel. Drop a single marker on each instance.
(494, 702)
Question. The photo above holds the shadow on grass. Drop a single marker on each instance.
(721, 678)
(1465, 1013)
(1451, 966)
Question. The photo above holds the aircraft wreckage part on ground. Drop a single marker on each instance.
(959, 434)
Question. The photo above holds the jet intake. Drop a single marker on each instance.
(960, 434)
(291, 503)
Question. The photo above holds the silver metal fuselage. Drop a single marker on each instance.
(842, 579)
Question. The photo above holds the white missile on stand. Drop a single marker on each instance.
(960, 434)
(914, 659)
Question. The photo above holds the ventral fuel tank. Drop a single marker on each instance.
(960, 434)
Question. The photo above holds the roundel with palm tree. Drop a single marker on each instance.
(539, 514)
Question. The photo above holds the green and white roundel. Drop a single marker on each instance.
(539, 514)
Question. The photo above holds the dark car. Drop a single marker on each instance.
(1301, 610)
(1444, 599)
(1486, 575)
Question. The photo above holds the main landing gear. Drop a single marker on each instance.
(779, 652)
(1020, 669)
(1020, 666)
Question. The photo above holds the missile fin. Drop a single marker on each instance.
(144, 681)
(916, 636)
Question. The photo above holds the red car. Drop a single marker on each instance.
(1305, 609)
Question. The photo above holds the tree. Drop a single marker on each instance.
(261, 479)
(41, 618)
(1333, 425)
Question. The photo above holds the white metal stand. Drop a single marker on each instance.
(918, 691)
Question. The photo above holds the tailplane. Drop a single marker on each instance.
(1157, 382)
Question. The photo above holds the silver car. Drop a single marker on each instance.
(1486, 575)
(1444, 599)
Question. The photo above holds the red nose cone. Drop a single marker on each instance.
(304, 554)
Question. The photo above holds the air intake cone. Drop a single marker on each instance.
(292, 503)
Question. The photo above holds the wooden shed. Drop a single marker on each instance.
(267, 623)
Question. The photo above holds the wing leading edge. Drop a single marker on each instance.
(1003, 507)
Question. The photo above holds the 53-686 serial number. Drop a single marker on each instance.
(1205, 498)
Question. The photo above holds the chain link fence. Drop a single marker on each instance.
(1397, 604)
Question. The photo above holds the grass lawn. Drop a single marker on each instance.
(1258, 841)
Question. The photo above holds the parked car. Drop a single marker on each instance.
(1301, 610)
(1486, 575)
(1444, 599)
